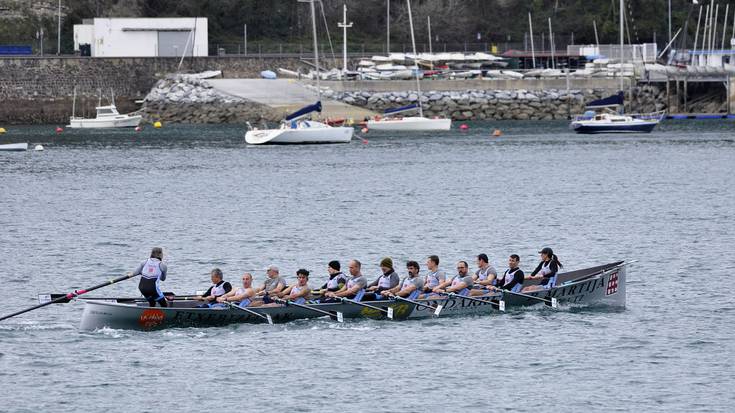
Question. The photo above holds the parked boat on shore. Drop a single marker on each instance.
(602, 285)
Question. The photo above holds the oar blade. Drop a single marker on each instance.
(501, 305)
(390, 313)
(554, 303)
(438, 310)
(269, 319)
(340, 317)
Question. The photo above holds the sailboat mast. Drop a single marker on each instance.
(387, 36)
(622, 52)
(74, 104)
(415, 59)
(533, 52)
(316, 50)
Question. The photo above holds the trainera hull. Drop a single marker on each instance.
(603, 285)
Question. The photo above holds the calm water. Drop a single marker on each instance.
(93, 204)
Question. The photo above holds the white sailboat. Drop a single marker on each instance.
(296, 128)
(107, 117)
(391, 119)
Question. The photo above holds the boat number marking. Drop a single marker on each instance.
(612, 284)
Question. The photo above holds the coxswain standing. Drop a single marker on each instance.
(545, 271)
(151, 272)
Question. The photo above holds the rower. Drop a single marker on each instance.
(355, 287)
(297, 293)
(484, 277)
(435, 276)
(411, 286)
(545, 271)
(389, 279)
(273, 283)
(337, 279)
(460, 284)
(218, 288)
(243, 295)
(512, 278)
(151, 272)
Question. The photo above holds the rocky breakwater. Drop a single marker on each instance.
(184, 98)
(497, 104)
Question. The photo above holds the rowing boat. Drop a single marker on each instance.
(603, 285)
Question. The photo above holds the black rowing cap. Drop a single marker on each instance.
(546, 250)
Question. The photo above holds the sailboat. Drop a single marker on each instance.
(107, 117)
(296, 127)
(392, 119)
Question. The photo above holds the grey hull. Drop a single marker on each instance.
(597, 286)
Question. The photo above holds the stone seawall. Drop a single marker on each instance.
(185, 99)
(40, 90)
(500, 104)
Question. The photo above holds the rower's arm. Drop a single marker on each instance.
(348, 291)
(443, 284)
(405, 292)
(283, 293)
(459, 287)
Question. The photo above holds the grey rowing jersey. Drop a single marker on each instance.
(417, 281)
(434, 278)
(272, 283)
(467, 279)
(482, 275)
(359, 280)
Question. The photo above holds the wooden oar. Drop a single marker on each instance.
(338, 316)
(552, 302)
(437, 309)
(500, 304)
(266, 317)
(71, 295)
(388, 312)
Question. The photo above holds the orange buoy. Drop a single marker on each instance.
(497, 133)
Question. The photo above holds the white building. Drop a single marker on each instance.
(143, 37)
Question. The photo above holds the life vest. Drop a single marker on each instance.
(432, 279)
(508, 278)
(333, 283)
(218, 289)
(384, 281)
(295, 290)
(483, 274)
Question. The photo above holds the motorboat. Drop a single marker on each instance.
(602, 118)
(107, 117)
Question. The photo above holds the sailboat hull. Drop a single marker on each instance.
(302, 135)
(410, 124)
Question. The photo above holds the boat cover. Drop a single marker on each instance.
(401, 109)
(317, 107)
(614, 100)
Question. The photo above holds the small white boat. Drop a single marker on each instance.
(15, 147)
(107, 117)
(410, 123)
